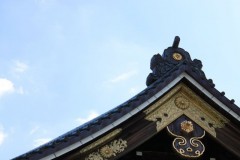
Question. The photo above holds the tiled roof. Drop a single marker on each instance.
(165, 69)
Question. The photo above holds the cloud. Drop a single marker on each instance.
(124, 76)
(91, 116)
(6, 86)
(34, 130)
(40, 141)
(20, 67)
(2, 135)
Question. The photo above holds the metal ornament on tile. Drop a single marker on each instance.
(177, 56)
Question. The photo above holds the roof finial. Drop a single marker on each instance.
(176, 42)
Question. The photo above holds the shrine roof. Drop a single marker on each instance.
(173, 66)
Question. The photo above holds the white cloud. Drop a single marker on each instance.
(124, 76)
(40, 141)
(2, 135)
(34, 130)
(20, 67)
(6, 86)
(92, 115)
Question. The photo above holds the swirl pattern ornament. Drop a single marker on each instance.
(187, 143)
(181, 103)
(108, 151)
(193, 148)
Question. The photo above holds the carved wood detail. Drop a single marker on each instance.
(181, 100)
(101, 140)
(108, 151)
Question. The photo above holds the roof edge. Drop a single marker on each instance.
(137, 110)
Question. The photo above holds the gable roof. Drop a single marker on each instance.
(168, 70)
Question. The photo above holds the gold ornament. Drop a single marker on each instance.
(108, 151)
(181, 100)
(181, 103)
(177, 56)
(191, 148)
(100, 141)
(187, 126)
(94, 156)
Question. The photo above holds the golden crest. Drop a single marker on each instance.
(187, 126)
(177, 56)
(181, 102)
(108, 151)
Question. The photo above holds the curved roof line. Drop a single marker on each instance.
(167, 72)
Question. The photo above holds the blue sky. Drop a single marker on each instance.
(63, 62)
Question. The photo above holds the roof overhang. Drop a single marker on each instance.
(141, 107)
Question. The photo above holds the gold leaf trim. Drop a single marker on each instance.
(101, 140)
(108, 151)
(184, 146)
(181, 100)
